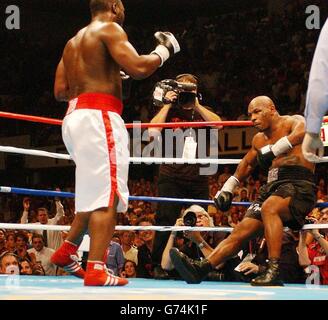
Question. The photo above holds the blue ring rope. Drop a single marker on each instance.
(49, 193)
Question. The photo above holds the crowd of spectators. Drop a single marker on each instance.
(130, 252)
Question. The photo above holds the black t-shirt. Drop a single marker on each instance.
(145, 265)
(184, 172)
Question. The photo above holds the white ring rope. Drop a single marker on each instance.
(32, 152)
(149, 160)
(35, 226)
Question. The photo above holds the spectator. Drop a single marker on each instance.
(243, 196)
(116, 238)
(2, 241)
(224, 176)
(129, 251)
(145, 267)
(198, 246)
(22, 246)
(322, 190)
(42, 254)
(115, 258)
(10, 241)
(28, 268)
(234, 216)
(25, 267)
(129, 269)
(9, 263)
(52, 239)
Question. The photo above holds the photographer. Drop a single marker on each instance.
(179, 180)
(198, 244)
(193, 216)
(315, 253)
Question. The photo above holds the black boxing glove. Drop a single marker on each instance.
(223, 198)
(167, 45)
(265, 157)
(266, 154)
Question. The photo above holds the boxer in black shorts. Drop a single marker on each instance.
(285, 200)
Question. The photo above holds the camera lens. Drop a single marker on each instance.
(186, 97)
(190, 219)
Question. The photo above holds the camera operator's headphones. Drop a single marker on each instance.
(193, 79)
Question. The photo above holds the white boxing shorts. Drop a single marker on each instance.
(97, 140)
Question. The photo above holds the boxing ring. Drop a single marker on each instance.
(71, 288)
(14, 287)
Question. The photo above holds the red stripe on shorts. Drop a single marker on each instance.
(112, 156)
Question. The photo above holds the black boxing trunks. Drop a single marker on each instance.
(296, 182)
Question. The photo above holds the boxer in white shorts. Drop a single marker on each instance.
(97, 140)
(88, 76)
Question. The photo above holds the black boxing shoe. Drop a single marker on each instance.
(161, 274)
(192, 271)
(270, 277)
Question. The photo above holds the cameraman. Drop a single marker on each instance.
(315, 251)
(179, 180)
(197, 244)
(199, 247)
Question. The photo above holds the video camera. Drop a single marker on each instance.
(184, 91)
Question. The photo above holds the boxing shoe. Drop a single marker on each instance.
(192, 271)
(66, 257)
(270, 277)
(161, 274)
(97, 274)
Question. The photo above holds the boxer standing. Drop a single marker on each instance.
(88, 76)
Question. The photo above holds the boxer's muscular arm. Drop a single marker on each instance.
(297, 130)
(122, 51)
(248, 163)
(61, 88)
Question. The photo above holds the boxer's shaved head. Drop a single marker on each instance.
(262, 111)
(262, 102)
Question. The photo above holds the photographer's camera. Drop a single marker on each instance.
(190, 219)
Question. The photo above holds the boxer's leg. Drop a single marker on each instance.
(246, 230)
(275, 212)
(101, 228)
(78, 228)
(66, 256)
(194, 272)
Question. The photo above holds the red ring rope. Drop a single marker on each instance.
(139, 125)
